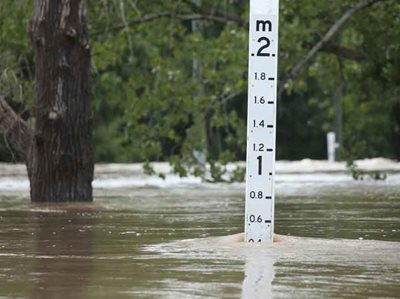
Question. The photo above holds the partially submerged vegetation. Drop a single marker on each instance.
(170, 79)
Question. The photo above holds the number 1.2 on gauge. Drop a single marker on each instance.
(261, 127)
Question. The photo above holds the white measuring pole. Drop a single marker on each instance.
(331, 145)
(261, 124)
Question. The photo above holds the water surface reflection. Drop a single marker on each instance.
(259, 274)
(64, 239)
(176, 240)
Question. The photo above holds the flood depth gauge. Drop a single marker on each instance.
(261, 121)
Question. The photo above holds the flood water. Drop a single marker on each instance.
(148, 238)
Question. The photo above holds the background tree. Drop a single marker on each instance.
(149, 105)
(58, 151)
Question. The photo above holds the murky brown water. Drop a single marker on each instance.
(180, 240)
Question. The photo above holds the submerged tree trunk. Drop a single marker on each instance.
(58, 151)
(60, 162)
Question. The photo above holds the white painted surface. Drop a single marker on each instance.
(331, 145)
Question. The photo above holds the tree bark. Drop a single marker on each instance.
(60, 165)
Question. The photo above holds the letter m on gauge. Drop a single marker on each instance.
(263, 27)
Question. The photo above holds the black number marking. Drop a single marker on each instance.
(254, 194)
(259, 100)
(259, 148)
(259, 158)
(260, 76)
(258, 124)
(265, 46)
(254, 219)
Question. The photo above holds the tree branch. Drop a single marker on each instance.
(335, 28)
(16, 131)
(200, 10)
(178, 16)
(192, 4)
(343, 52)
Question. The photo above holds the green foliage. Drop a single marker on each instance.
(16, 60)
(174, 89)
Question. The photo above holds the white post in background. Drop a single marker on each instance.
(331, 145)
(261, 124)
